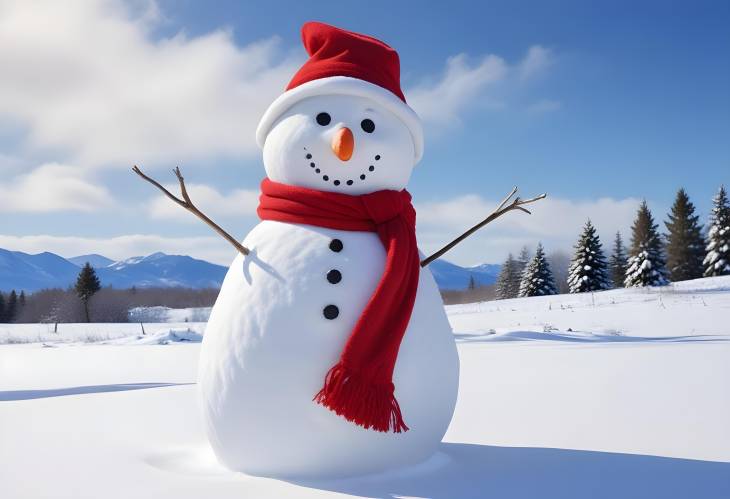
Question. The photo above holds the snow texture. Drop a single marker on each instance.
(268, 347)
(167, 314)
(297, 141)
(626, 395)
(641, 271)
(74, 334)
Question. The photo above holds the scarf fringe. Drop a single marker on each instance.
(361, 401)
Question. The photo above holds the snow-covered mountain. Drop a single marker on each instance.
(96, 261)
(453, 277)
(159, 269)
(20, 270)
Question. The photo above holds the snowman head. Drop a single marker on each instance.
(343, 124)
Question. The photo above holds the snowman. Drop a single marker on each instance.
(328, 352)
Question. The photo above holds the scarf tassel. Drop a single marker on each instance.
(359, 400)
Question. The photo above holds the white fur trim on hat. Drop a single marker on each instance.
(343, 85)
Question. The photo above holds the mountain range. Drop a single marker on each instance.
(450, 276)
(20, 270)
(23, 271)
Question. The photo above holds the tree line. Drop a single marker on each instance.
(88, 301)
(683, 252)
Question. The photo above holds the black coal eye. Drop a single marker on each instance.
(367, 125)
(324, 119)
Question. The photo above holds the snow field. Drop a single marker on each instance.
(625, 393)
(98, 332)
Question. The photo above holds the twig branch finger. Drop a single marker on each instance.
(187, 203)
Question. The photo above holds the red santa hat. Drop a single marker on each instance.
(346, 63)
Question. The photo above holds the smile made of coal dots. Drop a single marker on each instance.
(308, 156)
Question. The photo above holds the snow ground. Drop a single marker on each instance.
(623, 394)
(75, 334)
(167, 314)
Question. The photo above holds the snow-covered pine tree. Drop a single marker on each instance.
(537, 279)
(685, 244)
(522, 260)
(646, 265)
(617, 262)
(507, 285)
(520, 264)
(588, 269)
(560, 266)
(717, 261)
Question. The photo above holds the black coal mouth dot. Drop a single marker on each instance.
(337, 182)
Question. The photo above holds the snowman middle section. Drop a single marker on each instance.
(281, 320)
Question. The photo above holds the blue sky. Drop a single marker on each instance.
(599, 105)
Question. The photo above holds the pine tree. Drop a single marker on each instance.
(21, 305)
(717, 261)
(646, 264)
(508, 282)
(11, 307)
(618, 262)
(472, 284)
(685, 244)
(588, 268)
(2, 308)
(537, 279)
(523, 260)
(87, 285)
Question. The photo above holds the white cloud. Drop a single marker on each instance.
(461, 83)
(554, 221)
(89, 84)
(211, 248)
(463, 86)
(52, 188)
(88, 80)
(207, 199)
(537, 60)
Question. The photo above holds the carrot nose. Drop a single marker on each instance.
(343, 143)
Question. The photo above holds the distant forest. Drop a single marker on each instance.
(684, 250)
(106, 305)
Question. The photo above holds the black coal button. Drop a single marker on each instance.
(331, 312)
(334, 276)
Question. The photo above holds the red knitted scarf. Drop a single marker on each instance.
(360, 386)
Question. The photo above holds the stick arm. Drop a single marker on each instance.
(504, 207)
(187, 203)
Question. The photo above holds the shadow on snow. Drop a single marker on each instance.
(79, 390)
(479, 471)
(579, 337)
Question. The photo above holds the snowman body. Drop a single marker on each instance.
(286, 310)
(268, 346)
